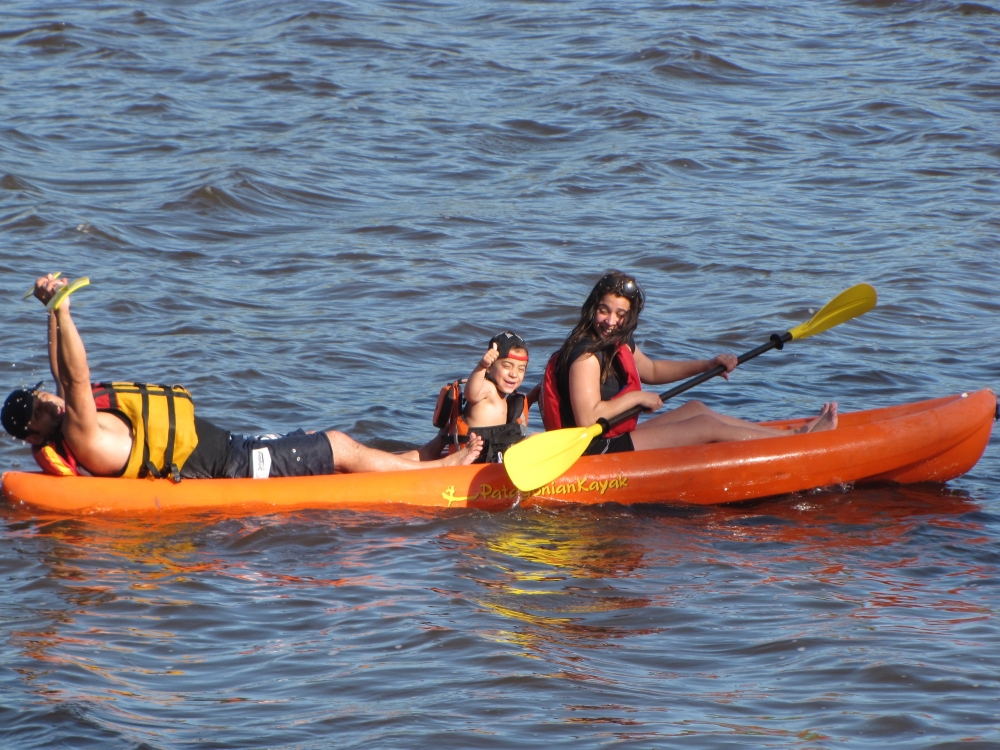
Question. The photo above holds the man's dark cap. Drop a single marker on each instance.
(17, 411)
(506, 341)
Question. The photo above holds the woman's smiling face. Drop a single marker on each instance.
(611, 313)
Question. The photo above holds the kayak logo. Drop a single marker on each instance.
(583, 484)
(260, 461)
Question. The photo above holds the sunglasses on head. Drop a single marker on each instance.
(623, 286)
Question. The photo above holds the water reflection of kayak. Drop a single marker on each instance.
(928, 441)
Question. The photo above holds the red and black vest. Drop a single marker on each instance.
(449, 416)
(556, 414)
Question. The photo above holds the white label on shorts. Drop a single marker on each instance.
(261, 460)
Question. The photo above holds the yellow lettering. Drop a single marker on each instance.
(604, 486)
(593, 486)
(560, 489)
(623, 481)
(580, 484)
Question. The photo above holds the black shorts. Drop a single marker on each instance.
(293, 455)
(619, 444)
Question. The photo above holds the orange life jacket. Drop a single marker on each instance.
(550, 402)
(161, 418)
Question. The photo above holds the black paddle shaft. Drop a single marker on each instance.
(777, 341)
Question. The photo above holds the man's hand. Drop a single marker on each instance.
(47, 286)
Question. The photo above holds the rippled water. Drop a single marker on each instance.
(313, 213)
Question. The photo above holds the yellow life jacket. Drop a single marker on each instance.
(162, 419)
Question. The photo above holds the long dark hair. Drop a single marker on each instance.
(613, 282)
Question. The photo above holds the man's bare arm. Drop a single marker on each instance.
(54, 353)
(103, 452)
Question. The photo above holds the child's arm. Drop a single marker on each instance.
(533, 394)
(478, 388)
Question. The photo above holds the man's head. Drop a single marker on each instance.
(507, 373)
(32, 415)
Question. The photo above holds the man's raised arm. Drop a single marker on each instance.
(68, 360)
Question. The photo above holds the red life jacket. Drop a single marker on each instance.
(550, 403)
(449, 416)
(55, 457)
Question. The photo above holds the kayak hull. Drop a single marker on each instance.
(927, 441)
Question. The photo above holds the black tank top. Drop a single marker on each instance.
(609, 388)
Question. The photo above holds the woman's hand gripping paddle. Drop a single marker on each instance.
(535, 462)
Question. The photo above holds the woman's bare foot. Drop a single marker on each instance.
(467, 454)
(827, 420)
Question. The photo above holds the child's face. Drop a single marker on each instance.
(507, 373)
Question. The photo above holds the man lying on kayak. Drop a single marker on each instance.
(137, 430)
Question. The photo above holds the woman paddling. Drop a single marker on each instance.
(599, 372)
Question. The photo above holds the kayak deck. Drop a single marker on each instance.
(927, 441)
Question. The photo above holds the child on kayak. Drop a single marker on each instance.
(492, 407)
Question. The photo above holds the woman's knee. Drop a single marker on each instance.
(694, 408)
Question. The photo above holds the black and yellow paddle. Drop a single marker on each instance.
(535, 462)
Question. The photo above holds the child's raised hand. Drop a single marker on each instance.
(490, 357)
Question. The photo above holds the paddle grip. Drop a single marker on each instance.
(777, 341)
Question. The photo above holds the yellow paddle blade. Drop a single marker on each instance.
(848, 304)
(58, 297)
(31, 291)
(535, 462)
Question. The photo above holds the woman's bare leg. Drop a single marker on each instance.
(694, 409)
(351, 456)
(697, 408)
(707, 426)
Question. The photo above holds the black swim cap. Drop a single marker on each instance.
(506, 341)
(17, 411)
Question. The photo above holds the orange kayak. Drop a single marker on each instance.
(928, 441)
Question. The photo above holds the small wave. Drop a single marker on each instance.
(208, 198)
(91, 231)
(405, 233)
(52, 44)
(688, 72)
(318, 15)
(23, 221)
(351, 42)
(157, 108)
(895, 109)
(621, 117)
(531, 127)
(686, 164)
(141, 18)
(13, 182)
(57, 28)
(975, 9)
